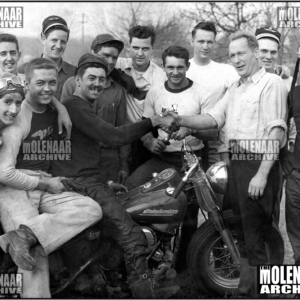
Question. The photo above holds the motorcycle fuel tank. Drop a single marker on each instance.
(164, 179)
(156, 207)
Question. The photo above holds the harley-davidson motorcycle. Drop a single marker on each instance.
(92, 263)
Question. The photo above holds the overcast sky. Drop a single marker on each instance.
(95, 14)
(35, 13)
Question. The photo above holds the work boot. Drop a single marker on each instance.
(17, 243)
(142, 284)
(244, 288)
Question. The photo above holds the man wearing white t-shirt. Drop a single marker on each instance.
(190, 98)
(213, 76)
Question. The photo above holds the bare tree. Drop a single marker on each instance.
(168, 26)
(228, 17)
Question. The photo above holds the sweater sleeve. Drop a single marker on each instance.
(85, 120)
(13, 136)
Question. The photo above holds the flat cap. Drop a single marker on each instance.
(105, 38)
(52, 21)
(272, 33)
(91, 58)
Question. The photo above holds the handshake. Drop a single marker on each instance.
(168, 120)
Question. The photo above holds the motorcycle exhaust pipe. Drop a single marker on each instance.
(95, 257)
(217, 219)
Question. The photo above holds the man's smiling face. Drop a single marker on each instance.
(9, 57)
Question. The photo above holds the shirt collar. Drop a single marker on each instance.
(147, 75)
(255, 78)
(109, 82)
(63, 66)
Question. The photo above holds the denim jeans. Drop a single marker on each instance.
(292, 212)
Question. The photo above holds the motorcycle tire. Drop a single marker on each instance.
(209, 262)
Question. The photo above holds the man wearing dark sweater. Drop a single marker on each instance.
(83, 172)
(292, 207)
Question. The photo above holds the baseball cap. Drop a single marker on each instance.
(104, 38)
(268, 33)
(54, 21)
(91, 58)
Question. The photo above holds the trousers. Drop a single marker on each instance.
(253, 218)
(53, 218)
(292, 211)
(118, 222)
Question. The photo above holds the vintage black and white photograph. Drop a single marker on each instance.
(149, 150)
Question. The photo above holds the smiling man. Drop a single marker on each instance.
(9, 58)
(111, 107)
(190, 99)
(55, 36)
(253, 108)
(35, 220)
(83, 170)
(213, 76)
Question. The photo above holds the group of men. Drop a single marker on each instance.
(113, 106)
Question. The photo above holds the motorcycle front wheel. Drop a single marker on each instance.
(210, 264)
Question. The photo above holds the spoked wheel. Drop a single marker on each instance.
(210, 264)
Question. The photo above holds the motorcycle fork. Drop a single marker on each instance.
(207, 200)
(218, 220)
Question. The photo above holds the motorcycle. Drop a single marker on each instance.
(92, 263)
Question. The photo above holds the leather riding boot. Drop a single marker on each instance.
(17, 243)
(142, 284)
(244, 288)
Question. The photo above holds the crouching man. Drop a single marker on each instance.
(36, 212)
(83, 171)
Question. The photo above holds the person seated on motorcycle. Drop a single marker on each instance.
(10, 102)
(26, 187)
(83, 171)
(190, 98)
(10, 56)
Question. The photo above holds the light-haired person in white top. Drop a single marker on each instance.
(213, 76)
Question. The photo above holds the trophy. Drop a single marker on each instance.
(166, 140)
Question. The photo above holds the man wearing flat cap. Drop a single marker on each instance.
(83, 171)
(111, 107)
(55, 36)
(269, 40)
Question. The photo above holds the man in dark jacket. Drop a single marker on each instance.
(83, 172)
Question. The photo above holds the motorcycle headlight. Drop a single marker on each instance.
(218, 177)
